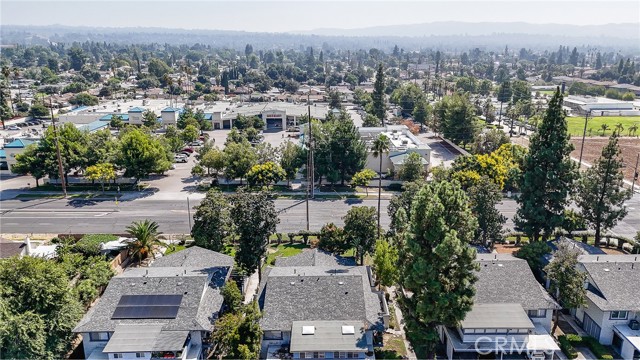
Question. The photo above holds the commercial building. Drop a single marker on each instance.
(165, 311)
(278, 116)
(403, 143)
(600, 106)
(14, 148)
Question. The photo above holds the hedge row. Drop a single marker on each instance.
(572, 340)
(567, 348)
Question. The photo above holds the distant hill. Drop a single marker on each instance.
(448, 28)
(443, 35)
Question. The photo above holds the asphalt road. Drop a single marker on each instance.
(88, 216)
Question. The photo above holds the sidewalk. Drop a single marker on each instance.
(400, 320)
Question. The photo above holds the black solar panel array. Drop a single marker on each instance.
(147, 307)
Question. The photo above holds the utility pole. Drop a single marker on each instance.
(55, 134)
(584, 133)
(309, 161)
(635, 175)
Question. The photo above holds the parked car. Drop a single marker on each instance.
(184, 154)
(180, 159)
(196, 143)
(13, 128)
(188, 150)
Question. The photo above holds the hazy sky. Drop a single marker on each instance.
(281, 16)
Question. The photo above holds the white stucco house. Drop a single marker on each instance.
(403, 143)
(612, 312)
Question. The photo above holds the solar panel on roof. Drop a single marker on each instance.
(147, 307)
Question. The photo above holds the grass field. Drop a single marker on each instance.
(284, 250)
(576, 125)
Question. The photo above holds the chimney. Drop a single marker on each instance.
(29, 249)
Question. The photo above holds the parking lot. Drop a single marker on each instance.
(32, 128)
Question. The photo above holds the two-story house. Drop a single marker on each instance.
(612, 310)
(512, 314)
(316, 306)
(165, 311)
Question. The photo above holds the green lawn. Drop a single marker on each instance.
(576, 124)
(284, 250)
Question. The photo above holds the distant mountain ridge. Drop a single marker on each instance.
(448, 28)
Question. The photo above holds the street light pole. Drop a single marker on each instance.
(584, 133)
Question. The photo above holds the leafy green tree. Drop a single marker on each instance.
(385, 262)
(145, 237)
(255, 218)
(457, 117)
(212, 224)
(360, 229)
(350, 152)
(533, 252)
(38, 309)
(600, 191)
(265, 174)
(363, 178)
(484, 197)
(370, 121)
(214, 160)
(101, 172)
(378, 96)
(31, 162)
(334, 100)
(158, 68)
(140, 154)
(232, 296)
(407, 96)
(150, 119)
(548, 175)
(292, 157)
(380, 146)
(84, 99)
(173, 140)
(239, 159)
(190, 133)
(332, 239)
(77, 58)
(37, 110)
(567, 281)
(412, 168)
(238, 334)
(489, 141)
(116, 122)
(102, 147)
(438, 266)
(422, 112)
(73, 149)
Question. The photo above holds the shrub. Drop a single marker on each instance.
(599, 350)
(567, 348)
(89, 245)
(574, 339)
(86, 292)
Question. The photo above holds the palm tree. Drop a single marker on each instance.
(632, 129)
(145, 234)
(604, 128)
(619, 128)
(380, 146)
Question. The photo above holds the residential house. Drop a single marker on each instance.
(164, 311)
(315, 307)
(511, 315)
(612, 311)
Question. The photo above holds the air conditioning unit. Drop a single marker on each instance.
(634, 324)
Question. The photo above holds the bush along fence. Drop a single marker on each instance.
(620, 243)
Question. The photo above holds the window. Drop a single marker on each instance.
(618, 315)
(539, 313)
(273, 335)
(319, 355)
(117, 356)
(99, 336)
(140, 355)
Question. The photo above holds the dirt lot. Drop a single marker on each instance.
(630, 147)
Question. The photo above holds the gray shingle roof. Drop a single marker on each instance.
(319, 293)
(497, 316)
(140, 338)
(507, 279)
(195, 257)
(328, 336)
(315, 257)
(200, 303)
(617, 279)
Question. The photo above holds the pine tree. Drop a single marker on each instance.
(600, 191)
(484, 197)
(379, 106)
(437, 264)
(598, 61)
(548, 174)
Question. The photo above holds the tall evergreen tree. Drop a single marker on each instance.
(484, 197)
(598, 61)
(212, 223)
(600, 192)
(457, 117)
(548, 174)
(379, 106)
(349, 151)
(437, 263)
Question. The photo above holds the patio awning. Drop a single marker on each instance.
(141, 338)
